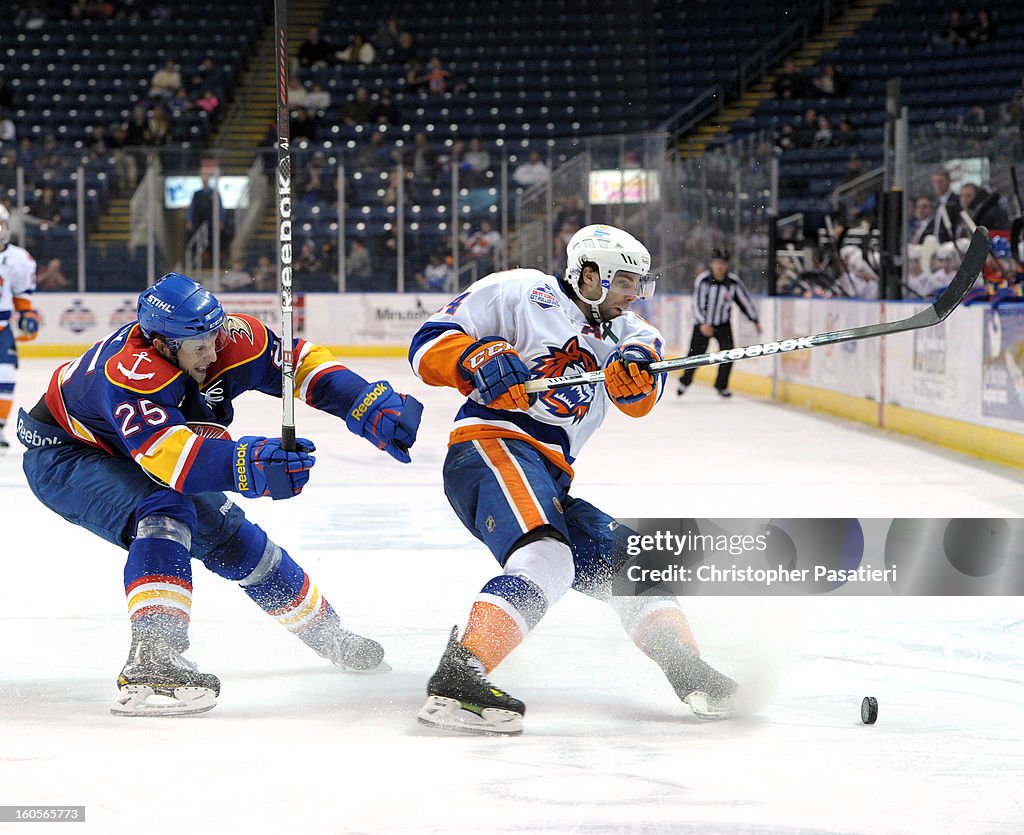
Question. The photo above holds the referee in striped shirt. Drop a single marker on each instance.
(714, 291)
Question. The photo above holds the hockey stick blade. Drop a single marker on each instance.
(971, 266)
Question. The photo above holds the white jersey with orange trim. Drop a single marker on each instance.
(552, 336)
(17, 282)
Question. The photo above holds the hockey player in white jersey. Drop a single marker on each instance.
(509, 466)
(17, 283)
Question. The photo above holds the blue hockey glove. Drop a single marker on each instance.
(626, 376)
(263, 468)
(28, 324)
(493, 366)
(387, 419)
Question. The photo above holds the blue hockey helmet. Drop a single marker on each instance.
(177, 308)
(1000, 246)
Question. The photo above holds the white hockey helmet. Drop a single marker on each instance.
(5, 226)
(609, 250)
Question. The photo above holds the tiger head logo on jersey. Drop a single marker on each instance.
(571, 358)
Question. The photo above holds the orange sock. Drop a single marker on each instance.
(491, 634)
(664, 624)
(5, 409)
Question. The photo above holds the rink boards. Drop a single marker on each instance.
(959, 384)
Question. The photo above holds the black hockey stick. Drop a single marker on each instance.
(284, 225)
(942, 307)
(1018, 221)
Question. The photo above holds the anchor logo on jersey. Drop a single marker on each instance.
(132, 373)
(571, 358)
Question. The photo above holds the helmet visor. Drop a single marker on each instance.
(633, 284)
(204, 342)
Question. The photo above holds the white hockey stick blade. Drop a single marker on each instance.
(970, 267)
(453, 715)
(142, 700)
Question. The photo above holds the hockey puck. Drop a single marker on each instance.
(869, 710)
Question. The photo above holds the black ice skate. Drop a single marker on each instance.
(709, 693)
(348, 650)
(460, 698)
(158, 681)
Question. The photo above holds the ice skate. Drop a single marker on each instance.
(4, 445)
(709, 693)
(460, 698)
(158, 681)
(350, 651)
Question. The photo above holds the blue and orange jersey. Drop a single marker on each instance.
(553, 338)
(125, 398)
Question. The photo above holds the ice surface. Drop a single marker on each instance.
(296, 746)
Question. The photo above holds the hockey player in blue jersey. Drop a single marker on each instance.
(509, 471)
(130, 442)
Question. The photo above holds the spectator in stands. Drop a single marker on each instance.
(373, 156)
(957, 32)
(158, 127)
(823, 135)
(415, 80)
(136, 128)
(844, 136)
(318, 99)
(308, 262)
(50, 159)
(422, 161)
(854, 169)
(437, 276)
(984, 28)
(484, 246)
(237, 278)
(384, 111)
(531, 172)
(297, 95)
(209, 103)
(125, 163)
(921, 220)
(476, 162)
(98, 142)
(303, 125)
(806, 128)
(358, 108)
(208, 76)
(828, 84)
(406, 50)
(386, 39)
(264, 274)
(571, 211)
(358, 51)
(785, 140)
(984, 208)
(181, 102)
(436, 77)
(315, 52)
(8, 133)
(946, 200)
(165, 82)
(358, 268)
(46, 208)
(315, 184)
(789, 84)
(51, 277)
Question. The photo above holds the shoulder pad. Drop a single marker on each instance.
(247, 339)
(138, 367)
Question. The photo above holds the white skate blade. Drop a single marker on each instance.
(451, 715)
(708, 707)
(142, 700)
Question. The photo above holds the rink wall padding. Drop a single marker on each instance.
(959, 384)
